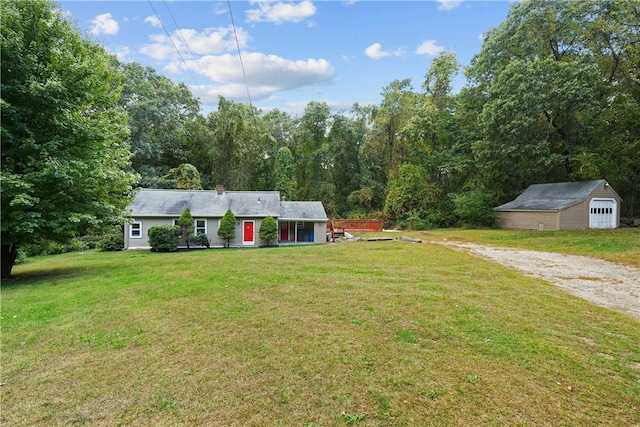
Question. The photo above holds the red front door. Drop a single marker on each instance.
(248, 233)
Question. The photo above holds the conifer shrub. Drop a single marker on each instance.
(268, 230)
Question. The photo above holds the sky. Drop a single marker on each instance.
(291, 53)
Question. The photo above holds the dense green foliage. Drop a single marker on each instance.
(164, 238)
(553, 95)
(227, 230)
(202, 239)
(268, 230)
(64, 150)
(185, 222)
(113, 240)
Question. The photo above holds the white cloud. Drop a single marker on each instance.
(449, 4)
(153, 20)
(429, 47)
(262, 70)
(209, 41)
(280, 12)
(122, 53)
(375, 51)
(104, 24)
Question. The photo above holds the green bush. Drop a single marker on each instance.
(474, 208)
(202, 240)
(164, 238)
(112, 241)
(268, 230)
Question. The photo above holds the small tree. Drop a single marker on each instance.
(268, 230)
(164, 238)
(227, 228)
(185, 222)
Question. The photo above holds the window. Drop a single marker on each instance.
(200, 226)
(135, 230)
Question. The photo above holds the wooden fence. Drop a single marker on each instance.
(355, 225)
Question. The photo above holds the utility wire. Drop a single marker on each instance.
(244, 75)
(174, 45)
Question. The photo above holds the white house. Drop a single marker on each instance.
(298, 222)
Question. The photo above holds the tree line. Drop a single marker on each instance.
(553, 95)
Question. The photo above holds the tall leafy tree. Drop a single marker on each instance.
(345, 140)
(313, 172)
(285, 174)
(64, 146)
(159, 113)
(237, 149)
(559, 80)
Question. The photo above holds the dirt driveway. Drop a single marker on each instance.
(601, 282)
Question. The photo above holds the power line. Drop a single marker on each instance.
(235, 34)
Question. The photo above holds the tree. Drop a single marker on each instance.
(410, 193)
(268, 230)
(160, 112)
(285, 174)
(185, 222)
(186, 177)
(556, 86)
(227, 228)
(64, 149)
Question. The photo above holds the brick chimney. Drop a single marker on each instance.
(220, 189)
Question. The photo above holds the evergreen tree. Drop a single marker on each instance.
(268, 230)
(227, 228)
(185, 222)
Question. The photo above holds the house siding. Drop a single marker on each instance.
(575, 218)
(528, 220)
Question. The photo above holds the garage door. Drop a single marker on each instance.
(602, 213)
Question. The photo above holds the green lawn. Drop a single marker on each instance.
(363, 333)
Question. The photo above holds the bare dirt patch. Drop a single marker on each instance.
(601, 282)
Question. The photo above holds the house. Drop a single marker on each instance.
(562, 206)
(298, 222)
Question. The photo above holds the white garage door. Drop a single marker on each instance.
(602, 213)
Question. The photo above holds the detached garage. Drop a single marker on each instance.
(562, 206)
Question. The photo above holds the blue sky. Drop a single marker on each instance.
(338, 52)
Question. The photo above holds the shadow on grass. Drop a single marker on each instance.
(50, 276)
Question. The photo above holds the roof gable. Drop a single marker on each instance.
(554, 196)
(204, 203)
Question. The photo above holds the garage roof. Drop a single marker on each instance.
(552, 197)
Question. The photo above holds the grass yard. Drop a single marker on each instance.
(363, 333)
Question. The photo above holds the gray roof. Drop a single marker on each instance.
(306, 211)
(552, 197)
(210, 204)
(204, 203)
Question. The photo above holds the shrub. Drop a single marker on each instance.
(112, 241)
(185, 222)
(164, 238)
(268, 230)
(474, 208)
(227, 228)
(202, 240)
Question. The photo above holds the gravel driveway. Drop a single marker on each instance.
(601, 282)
